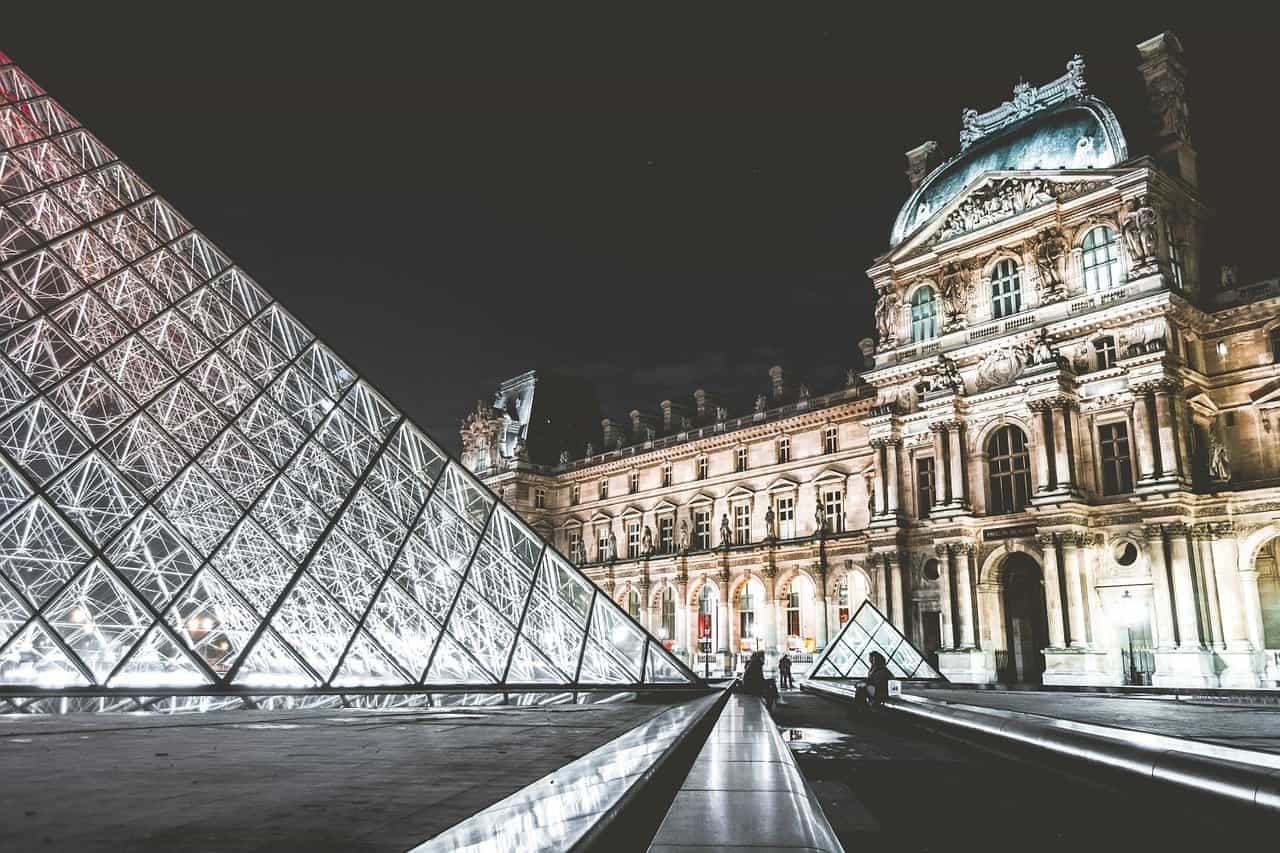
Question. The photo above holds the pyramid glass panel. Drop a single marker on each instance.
(849, 654)
(195, 491)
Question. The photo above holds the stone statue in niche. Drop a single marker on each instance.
(646, 541)
(957, 285)
(769, 530)
(886, 316)
(1048, 248)
(684, 536)
(726, 535)
(1219, 461)
(612, 547)
(1139, 228)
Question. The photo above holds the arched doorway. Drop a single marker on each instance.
(1026, 622)
(707, 640)
(750, 628)
(800, 616)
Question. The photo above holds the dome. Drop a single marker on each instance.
(1056, 127)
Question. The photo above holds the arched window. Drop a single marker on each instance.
(1008, 470)
(924, 314)
(1006, 289)
(668, 614)
(747, 616)
(633, 604)
(1100, 258)
(707, 628)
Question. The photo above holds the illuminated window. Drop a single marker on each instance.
(666, 474)
(539, 498)
(633, 540)
(747, 615)
(924, 486)
(575, 547)
(793, 614)
(575, 494)
(666, 534)
(1009, 470)
(786, 517)
(633, 482)
(742, 524)
(924, 314)
(602, 543)
(1100, 258)
(604, 489)
(1006, 289)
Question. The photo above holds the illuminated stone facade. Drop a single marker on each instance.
(1062, 465)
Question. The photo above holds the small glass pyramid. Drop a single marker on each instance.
(849, 654)
(196, 491)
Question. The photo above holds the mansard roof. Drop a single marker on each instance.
(1055, 126)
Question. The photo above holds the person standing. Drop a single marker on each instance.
(784, 673)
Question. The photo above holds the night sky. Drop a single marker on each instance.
(657, 199)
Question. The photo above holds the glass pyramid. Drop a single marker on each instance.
(194, 491)
(849, 654)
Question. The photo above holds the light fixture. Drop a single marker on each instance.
(1221, 347)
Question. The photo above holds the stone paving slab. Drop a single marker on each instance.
(1255, 727)
(300, 780)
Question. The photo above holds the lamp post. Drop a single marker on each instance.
(1129, 614)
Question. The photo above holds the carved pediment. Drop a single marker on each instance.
(1004, 198)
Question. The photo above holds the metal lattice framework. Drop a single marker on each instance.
(849, 654)
(197, 493)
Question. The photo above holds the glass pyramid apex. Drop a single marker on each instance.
(195, 491)
(849, 654)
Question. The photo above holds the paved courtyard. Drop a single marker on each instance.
(1245, 726)
(303, 780)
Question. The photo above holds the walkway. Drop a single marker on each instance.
(1255, 727)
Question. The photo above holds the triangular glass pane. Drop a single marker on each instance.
(345, 572)
(33, 658)
(212, 622)
(449, 536)
(660, 668)
(254, 566)
(464, 496)
(13, 489)
(499, 582)
(565, 585)
(313, 626)
(486, 634)
(367, 665)
(98, 619)
(599, 667)
(13, 614)
(158, 662)
(38, 553)
(41, 441)
(452, 665)
(529, 667)
(196, 506)
(426, 577)
(555, 633)
(403, 629)
(611, 628)
(96, 498)
(271, 664)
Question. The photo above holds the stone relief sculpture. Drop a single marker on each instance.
(1139, 228)
(945, 377)
(957, 284)
(1008, 197)
(1146, 336)
(1219, 461)
(1048, 248)
(886, 316)
(1001, 367)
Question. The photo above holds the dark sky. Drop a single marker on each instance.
(655, 198)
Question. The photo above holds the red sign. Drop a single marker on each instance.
(704, 626)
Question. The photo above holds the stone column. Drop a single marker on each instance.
(1251, 606)
(771, 609)
(1228, 573)
(881, 579)
(1184, 589)
(1040, 441)
(1202, 537)
(1144, 439)
(943, 554)
(878, 454)
(1063, 475)
(959, 483)
(726, 621)
(1165, 429)
(894, 565)
(1052, 591)
(1162, 598)
(820, 635)
(964, 594)
(941, 471)
(892, 489)
(1073, 574)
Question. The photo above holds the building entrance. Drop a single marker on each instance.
(1026, 624)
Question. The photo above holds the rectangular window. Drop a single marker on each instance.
(833, 508)
(703, 467)
(634, 482)
(575, 494)
(666, 535)
(784, 450)
(1175, 255)
(786, 517)
(575, 547)
(740, 459)
(793, 614)
(666, 474)
(539, 498)
(1117, 468)
(742, 524)
(602, 542)
(924, 486)
(830, 439)
(633, 540)
(604, 489)
(702, 529)
(1104, 350)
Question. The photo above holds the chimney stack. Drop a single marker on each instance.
(1166, 78)
(918, 162)
(776, 383)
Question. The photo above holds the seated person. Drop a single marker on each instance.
(872, 693)
(755, 684)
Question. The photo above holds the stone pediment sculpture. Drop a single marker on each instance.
(1001, 367)
(1003, 198)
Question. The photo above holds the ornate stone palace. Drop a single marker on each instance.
(1061, 462)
